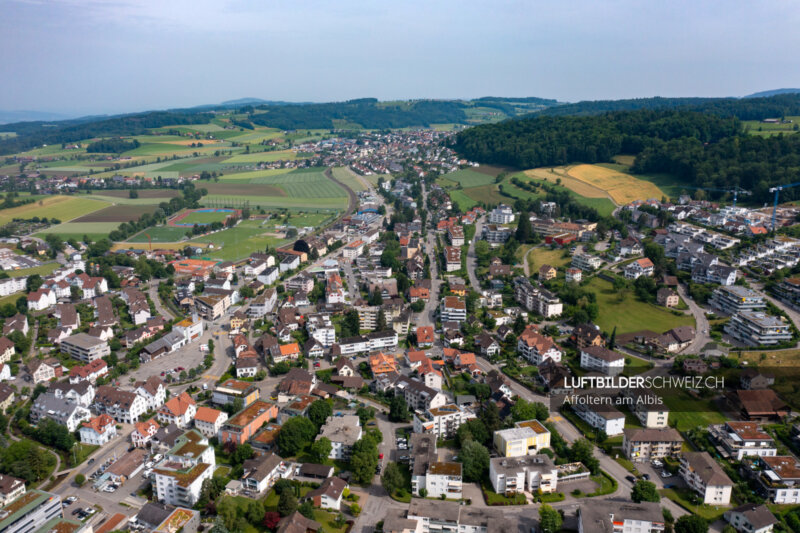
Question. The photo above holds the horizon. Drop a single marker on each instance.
(89, 57)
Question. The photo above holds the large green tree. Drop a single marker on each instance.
(364, 460)
(549, 519)
(645, 491)
(295, 434)
(475, 460)
(691, 523)
(321, 449)
(319, 411)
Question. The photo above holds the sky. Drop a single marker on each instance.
(113, 56)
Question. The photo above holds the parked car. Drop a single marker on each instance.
(91, 461)
(665, 474)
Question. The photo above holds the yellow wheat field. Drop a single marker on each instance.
(594, 181)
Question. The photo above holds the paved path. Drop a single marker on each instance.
(152, 291)
(701, 326)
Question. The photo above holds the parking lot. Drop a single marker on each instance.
(656, 474)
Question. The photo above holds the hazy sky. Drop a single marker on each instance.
(108, 56)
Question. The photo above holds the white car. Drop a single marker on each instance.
(665, 474)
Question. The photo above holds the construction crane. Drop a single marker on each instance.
(735, 190)
(777, 190)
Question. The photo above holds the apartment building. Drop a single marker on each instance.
(703, 475)
(733, 299)
(524, 439)
(743, 439)
(30, 512)
(452, 309)
(85, 348)
(452, 258)
(778, 478)
(537, 348)
(536, 299)
(620, 516)
(122, 406)
(532, 473)
(343, 432)
(208, 421)
(751, 518)
(442, 422)
(246, 423)
(648, 407)
(586, 262)
(502, 214)
(602, 415)
(643, 445)
(179, 477)
(640, 267)
(758, 329)
(603, 360)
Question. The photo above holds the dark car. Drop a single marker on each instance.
(91, 460)
(645, 476)
(631, 479)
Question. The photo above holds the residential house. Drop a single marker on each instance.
(343, 432)
(179, 410)
(98, 430)
(531, 473)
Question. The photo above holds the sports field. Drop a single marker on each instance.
(63, 208)
(160, 234)
(247, 237)
(630, 314)
(594, 181)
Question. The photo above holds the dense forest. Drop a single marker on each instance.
(755, 108)
(704, 149)
(112, 146)
(365, 112)
(33, 134)
(541, 141)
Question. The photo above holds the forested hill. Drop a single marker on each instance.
(751, 108)
(33, 134)
(366, 113)
(704, 149)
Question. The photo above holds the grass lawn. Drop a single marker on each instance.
(687, 411)
(81, 453)
(327, 519)
(64, 208)
(681, 497)
(459, 196)
(489, 194)
(546, 256)
(631, 314)
(636, 366)
(42, 270)
(596, 199)
(605, 484)
(492, 498)
(469, 178)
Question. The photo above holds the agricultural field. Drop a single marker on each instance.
(350, 178)
(595, 181)
(489, 194)
(248, 176)
(63, 208)
(266, 157)
(763, 129)
(159, 195)
(225, 188)
(76, 230)
(601, 203)
(301, 188)
(630, 314)
(117, 214)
